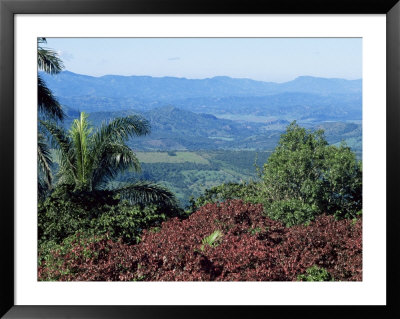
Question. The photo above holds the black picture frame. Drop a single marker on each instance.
(8, 8)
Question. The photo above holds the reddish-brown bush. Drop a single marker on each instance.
(328, 243)
(252, 248)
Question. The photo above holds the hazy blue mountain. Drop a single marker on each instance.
(289, 105)
(305, 98)
(317, 85)
(170, 88)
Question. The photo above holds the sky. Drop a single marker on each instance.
(263, 59)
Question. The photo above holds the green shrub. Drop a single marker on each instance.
(52, 256)
(127, 222)
(62, 214)
(66, 212)
(315, 273)
(292, 211)
(219, 194)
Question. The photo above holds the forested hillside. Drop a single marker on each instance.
(177, 129)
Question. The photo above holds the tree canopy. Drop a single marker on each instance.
(305, 176)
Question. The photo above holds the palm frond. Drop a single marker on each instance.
(43, 188)
(80, 135)
(120, 129)
(212, 239)
(114, 159)
(58, 136)
(63, 175)
(146, 193)
(111, 138)
(47, 102)
(60, 140)
(48, 60)
(44, 159)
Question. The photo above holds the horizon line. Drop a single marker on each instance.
(216, 76)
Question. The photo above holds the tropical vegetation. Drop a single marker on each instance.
(84, 197)
(231, 241)
(90, 159)
(297, 217)
(300, 221)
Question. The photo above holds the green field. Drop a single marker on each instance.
(190, 173)
(171, 157)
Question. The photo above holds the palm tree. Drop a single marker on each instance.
(44, 166)
(48, 107)
(89, 159)
(49, 62)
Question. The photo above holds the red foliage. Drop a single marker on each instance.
(99, 260)
(333, 245)
(252, 248)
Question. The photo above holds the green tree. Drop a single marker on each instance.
(304, 176)
(343, 182)
(90, 159)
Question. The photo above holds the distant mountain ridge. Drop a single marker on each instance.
(304, 98)
(172, 88)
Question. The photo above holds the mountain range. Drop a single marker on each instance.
(304, 98)
(215, 113)
(171, 88)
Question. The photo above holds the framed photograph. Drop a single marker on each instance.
(197, 159)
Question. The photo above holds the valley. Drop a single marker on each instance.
(188, 174)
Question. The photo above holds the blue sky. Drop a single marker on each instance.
(265, 59)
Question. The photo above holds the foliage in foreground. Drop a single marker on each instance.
(248, 246)
(66, 212)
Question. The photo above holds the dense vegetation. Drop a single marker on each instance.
(226, 150)
(232, 241)
(302, 221)
(83, 196)
(67, 212)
